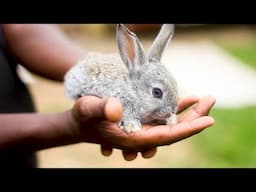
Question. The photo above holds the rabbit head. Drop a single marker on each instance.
(155, 86)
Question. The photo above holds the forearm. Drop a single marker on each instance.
(44, 49)
(35, 131)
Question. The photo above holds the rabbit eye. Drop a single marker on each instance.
(157, 93)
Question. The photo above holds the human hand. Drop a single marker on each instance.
(95, 120)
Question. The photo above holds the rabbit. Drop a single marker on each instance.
(145, 88)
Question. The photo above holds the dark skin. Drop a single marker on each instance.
(91, 119)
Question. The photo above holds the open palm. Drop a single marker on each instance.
(99, 125)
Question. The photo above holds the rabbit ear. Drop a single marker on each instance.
(130, 48)
(161, 41)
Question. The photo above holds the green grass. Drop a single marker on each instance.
(231, 142)
(244, 51)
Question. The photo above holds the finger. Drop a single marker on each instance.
(202, 108)
(88, 107)
(113, 109)
(189, 128)
(165, 135)
(106, 151)
(152, 136)
(129, 156)
(186, 102)
(149, 153)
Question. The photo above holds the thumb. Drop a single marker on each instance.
(89, 107)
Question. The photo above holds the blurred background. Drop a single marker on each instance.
(217, 60)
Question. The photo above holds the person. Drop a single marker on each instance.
(45, 50)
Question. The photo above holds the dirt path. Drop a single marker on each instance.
(201, 68)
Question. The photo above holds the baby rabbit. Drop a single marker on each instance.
(146, 89)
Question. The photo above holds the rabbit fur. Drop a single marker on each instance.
(146, 89)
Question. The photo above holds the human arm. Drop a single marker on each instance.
(94, 120)
(42, 49)
(35, 131)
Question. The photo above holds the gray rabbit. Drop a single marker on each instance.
(146, 89)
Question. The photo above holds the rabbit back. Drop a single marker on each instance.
(102, 75)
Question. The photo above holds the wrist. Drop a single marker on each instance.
(72, 130)
(52, 130)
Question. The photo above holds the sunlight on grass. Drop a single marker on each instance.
(231, 141)
(244, 51)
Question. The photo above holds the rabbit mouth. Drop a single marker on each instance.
(156, 117)
(162, 117)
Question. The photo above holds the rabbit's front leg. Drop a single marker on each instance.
(130, 124)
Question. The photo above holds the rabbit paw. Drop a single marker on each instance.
(130, 125)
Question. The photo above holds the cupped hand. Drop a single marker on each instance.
(95, 120)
